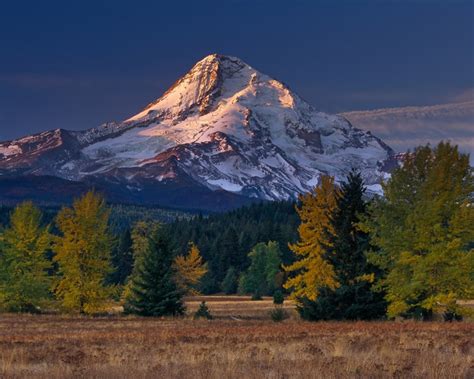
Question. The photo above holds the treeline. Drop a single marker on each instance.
(225, 240)
(337, 254)
(122, 216)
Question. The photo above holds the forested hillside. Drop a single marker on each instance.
(122, 216)
(226, 239)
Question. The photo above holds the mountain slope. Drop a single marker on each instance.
(223, 126)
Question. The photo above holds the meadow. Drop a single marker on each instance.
(240, 342)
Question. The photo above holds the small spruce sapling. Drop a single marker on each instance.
(203, 312)
(278, 298)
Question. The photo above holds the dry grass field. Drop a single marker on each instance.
(239, 307)
(241, 342)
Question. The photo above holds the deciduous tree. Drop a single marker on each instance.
(24, 280)
(189, 270)
(312, 271)
(83, 254)
(424, 230)
(260, 277)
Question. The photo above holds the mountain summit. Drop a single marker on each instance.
(223, 129)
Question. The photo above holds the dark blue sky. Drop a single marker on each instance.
(76, 64)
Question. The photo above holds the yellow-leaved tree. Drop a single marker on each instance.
(312, 271)
(24, 279)
(83, 254)
(423, 228)
(189, 270)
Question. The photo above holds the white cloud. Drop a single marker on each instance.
(407, 127)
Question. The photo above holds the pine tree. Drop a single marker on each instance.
(122, 259)
(312, 271)
(229, 252)
(278, 297)
(83, 254)
(346, 252)
(229, 284)
(24, 280)
(141, 232)
(423, 229)
(154, 291)
(189, 270)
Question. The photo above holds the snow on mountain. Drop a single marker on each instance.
(223, 125)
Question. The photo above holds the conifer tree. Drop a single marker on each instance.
(229, 284)
(423, 229)
(141, 232)
(83, 254)
(228, 252)
(312, 271)
(154, 291)
(203, 312)
(24, 280)
(346, 252)
(189, 270)
(122, 259)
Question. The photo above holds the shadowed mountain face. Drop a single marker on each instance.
(224, 133)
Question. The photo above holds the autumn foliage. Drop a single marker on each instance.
(311, 271)
(82, 252)
(190, 269)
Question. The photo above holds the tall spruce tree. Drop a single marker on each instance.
(83, 254)
(122, 259)
(346, 251)
(229, 252)
(141, 232)
(229, 284)
(24, 280)
(423, 228)
(153, 287)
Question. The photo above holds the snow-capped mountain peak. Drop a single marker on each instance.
(196, 90)
(224, 126)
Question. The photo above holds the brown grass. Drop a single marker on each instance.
(238, 307)
(129, 347)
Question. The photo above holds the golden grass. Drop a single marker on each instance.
(238, 307)
(130, 347)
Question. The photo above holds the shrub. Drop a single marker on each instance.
(278, 297)
(203, 312)
(256, 295)
(278, 314)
